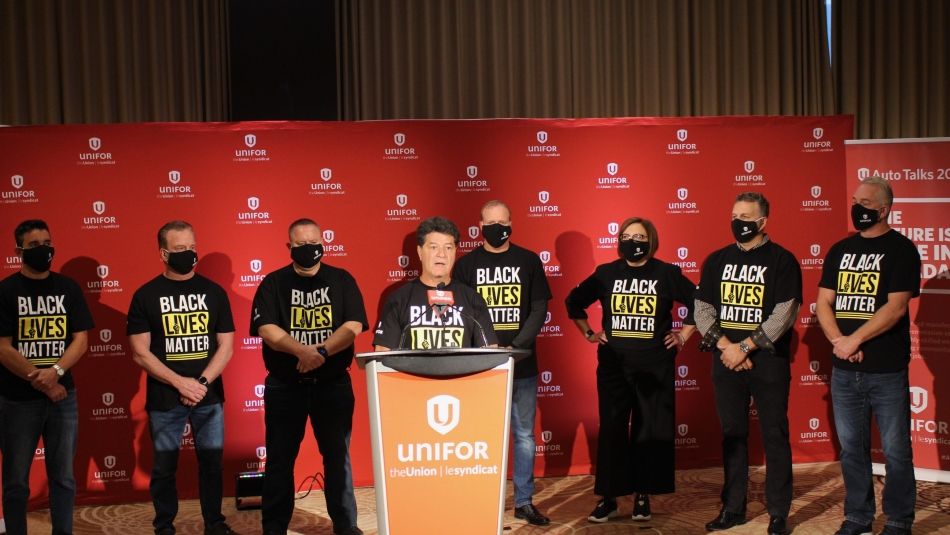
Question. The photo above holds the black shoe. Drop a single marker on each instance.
(894, 530)
(532, 515)
(777, 526)
(220, 528)
(165, 531)
(726, 520)
(641, 508)
(605, 510)
(350, 530)
(853, 528)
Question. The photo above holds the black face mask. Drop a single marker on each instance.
(308, 255)
(632, 250)
(39, 258)
(863, 218)
(744, 231)
(182, 262)
(496, 234)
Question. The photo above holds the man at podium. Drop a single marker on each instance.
(433, 311)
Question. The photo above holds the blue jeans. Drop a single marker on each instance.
(167, 427)
(524, 402)
(21, 425)
(855, 396)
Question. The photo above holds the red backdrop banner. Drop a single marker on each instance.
(105, 190)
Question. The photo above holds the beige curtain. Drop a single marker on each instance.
(892, 66)
(582, 58)
(108, 61)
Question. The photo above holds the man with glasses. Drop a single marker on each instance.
(44, 321)
(182, 333)
(746, 303)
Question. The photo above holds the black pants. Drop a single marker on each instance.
(636, 399)
(329, 405)
(768, 383)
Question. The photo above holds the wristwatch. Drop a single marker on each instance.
(202, 380)
(590, 333)
(744, 347)
(323, 352)
(59, 370)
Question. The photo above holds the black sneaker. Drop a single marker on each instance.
(532, 515)
(605, 510)
(853, 528)
(641, 508)
(221, 528)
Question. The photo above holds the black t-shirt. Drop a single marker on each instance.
(310, 309)
(40, 316)
(861, 272)
(508, 282)
(409, 306)
(745, 287)
(183, 319)
(636, 302)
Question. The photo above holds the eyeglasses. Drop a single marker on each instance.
(637, 237)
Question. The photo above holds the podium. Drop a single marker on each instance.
(439, 423)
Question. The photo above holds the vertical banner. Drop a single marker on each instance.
(106, 189)
(919, 173)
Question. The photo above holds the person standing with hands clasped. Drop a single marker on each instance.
(635, 385)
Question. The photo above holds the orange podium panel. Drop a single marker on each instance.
(439, 424)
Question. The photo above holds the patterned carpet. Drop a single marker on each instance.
(817, 509)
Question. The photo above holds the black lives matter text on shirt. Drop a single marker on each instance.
(508, 282)
(745, 287)
(183, 319)
(40, 316)
(637, 302)
(862, 272)
(309, 309)
(426, 327)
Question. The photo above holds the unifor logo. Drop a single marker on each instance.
(612, 168)
(253, 203)
(326, 173)
(817, 133)
(99, 207)
(547, 317)
(259, 390)
(682, 371)
(681, 312)
(442, 412)
(256, 265)
(403, 261)
(682, 253)
(399, 138)
(816, 191)
(174, 177)
(402, 199)
(546, 376)
(682, 134)
(544, 197)
(105, 335)
(261, 452)
(814, 423)
(546, 436)
(473, 232)
(102, 270)
(749, 166)
(918, 399)
(250, 140)
(815, 249)
(613, 228)
(109, 461)
(863, 173)
(814, 366)
(471, 171)
(328, 236)
(108, 398)
(545, 256)
(682, 429)
(542, 137)
(813, 308)
(16, 181)
(682, 193)
(95, 143)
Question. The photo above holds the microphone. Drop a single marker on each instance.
(439, 299)
(481, 330)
